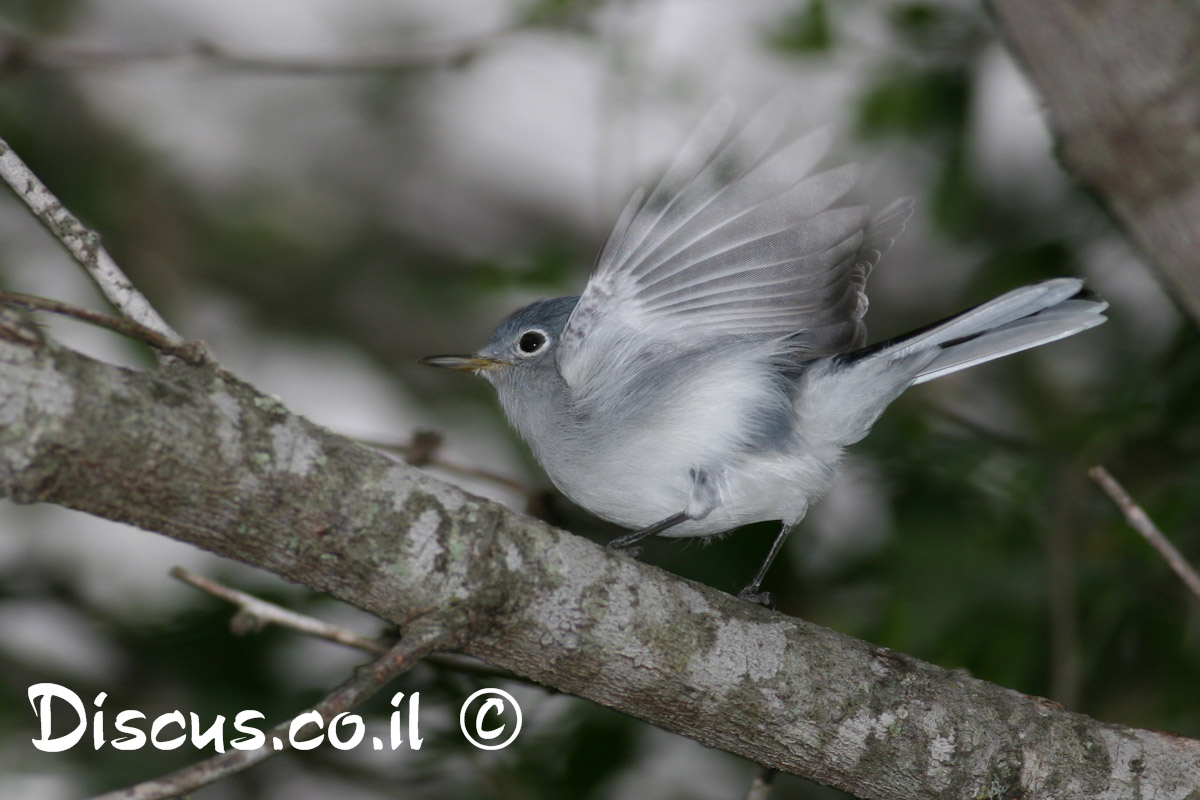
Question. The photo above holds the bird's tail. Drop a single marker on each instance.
(1023, 318)
(844, 395)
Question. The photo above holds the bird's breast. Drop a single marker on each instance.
(633, 458)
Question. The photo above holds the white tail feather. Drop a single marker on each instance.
(1024, 318)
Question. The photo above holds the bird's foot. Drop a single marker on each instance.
(751, 595)
(626, 543)
(631, 550)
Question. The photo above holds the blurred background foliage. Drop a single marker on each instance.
(324, 228)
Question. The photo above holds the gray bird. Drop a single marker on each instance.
(713, 370)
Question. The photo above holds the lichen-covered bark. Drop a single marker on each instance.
(1123, 96)
(197, 455)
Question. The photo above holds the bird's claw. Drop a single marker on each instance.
(632, 551)
(758, 598)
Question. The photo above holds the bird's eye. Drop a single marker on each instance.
(531, 341)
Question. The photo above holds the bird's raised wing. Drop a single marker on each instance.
(740, 239)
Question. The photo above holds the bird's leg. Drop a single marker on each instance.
(628, 541)
(751, 591)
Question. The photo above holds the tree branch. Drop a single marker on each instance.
(424, 636)
(83, 244)
(254, 613)
(1140, 521)
(760, 785)
(1123, 95)
(422, 450)
(200, 456)
(21, 50)
(192, 352)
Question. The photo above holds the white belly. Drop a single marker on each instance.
(713, 437)
(635, 491)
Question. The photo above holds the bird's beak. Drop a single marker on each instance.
(464, 363)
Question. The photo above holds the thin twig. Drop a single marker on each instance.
(19, 49)
(421, 450)
(192, 352)
(83, 244)
(422, 637)
(1140, 521)
(254, 613)
(760, 787)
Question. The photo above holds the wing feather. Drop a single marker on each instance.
(716, 198)
(739, 239)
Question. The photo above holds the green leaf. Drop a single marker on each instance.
(806, 31)
(914, 102)
(557, 13)
(917, 22)
(958, 206)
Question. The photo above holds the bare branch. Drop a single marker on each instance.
(254, 613)
(1140, 521)
(421, 450)
(20, 50)
(422, 637)
(760, 786)
(83, 244)
(191, 352)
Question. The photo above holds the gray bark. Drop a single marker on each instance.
(195, 454)
(1123, 96)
